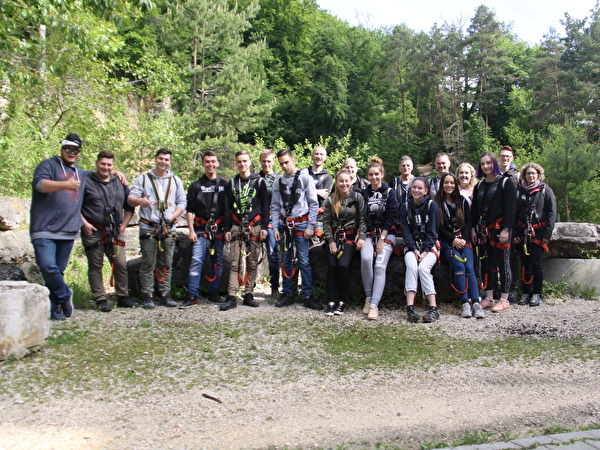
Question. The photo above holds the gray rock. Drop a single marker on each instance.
(14, 213)
(15, 247)
(24, 318)
(575, 240)
(11, 273)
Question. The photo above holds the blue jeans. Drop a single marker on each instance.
(463, 274)
(302, 246)
(199, 250)
(273, 255)
(52, 257)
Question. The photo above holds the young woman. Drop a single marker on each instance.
(493, 212)
(345, 229)
(420, 219)
(536, 215)
(381, 210)
(455, 237)
(358, 183)
(466, 180)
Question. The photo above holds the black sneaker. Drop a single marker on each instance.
(312, 303)
(512, 297)
(56, 313)
(214, 297)
(103, 306)
(190, 300)
(148, 303)
(330, 311)
(412, 314)
(167, 300)
(285, 300)
(67, 305)
(340, 309)
(432, 315)
(249, 300)
(126, 302)
(525, 300)
(229, 303)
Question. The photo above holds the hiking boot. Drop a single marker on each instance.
(330, 311)
(214, 297)
(126, 302)
(229, 303)
(525, 300)
(56, 313)
(167, 300)
(466, 310)
(312, 303)
(367, 307)
(501, 306)
(536, 299)
(249, 300)
(285, 300)
(487, 303)
(103, 306)
(478, 311)
(189, 301)
(148, 303)
(67, 306)
(340, 309)
(412, 314)
(512, 297)
(432, 315)
(373, 312)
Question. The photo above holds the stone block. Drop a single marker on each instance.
(14, 213)
(24, 318)
(577, 272)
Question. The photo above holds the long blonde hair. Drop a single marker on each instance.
(336, 199)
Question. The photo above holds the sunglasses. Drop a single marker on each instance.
(74, 151)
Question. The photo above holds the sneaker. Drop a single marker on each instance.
(432, 315)
(412, 314)
(525, 300)
(501, 306)
(478, 311)
(56, 313)
(330, 311)
(214, 297)
(148, 303)
(285, 300)
(487, 303)
(312, 303)
(126, 302)
(103, 306)
(536, 299)
(189, 301)
(373, 312)
(466, 310)
(367, 307)
(340, 309)
(229, 303)
(67, 307)
(167, 300)
(512, 297)
(249, 300)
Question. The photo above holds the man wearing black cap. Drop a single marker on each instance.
(55, 220)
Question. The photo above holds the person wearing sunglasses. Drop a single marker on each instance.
(55, 220)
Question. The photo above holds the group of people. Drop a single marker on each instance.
(479, 228)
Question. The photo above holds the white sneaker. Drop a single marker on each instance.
(367, 307)
(478, 311)
(466, 310)
(373, 312)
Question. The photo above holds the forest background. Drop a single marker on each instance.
(133, 76)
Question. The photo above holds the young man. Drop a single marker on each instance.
(206, 208)
(161, 198)
(104, 225)
(55, 221)
(402, 184)
(442, 164)
(322, 185)
(294, 206)
(245, 228)
(267, 158)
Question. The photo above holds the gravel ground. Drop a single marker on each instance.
(400, 408)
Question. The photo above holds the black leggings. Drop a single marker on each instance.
(533, 268)
(337, 273)
(496, 259)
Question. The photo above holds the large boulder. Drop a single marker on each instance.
(15, 246)
(24, 318)
(14, 213)
(575, 240)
